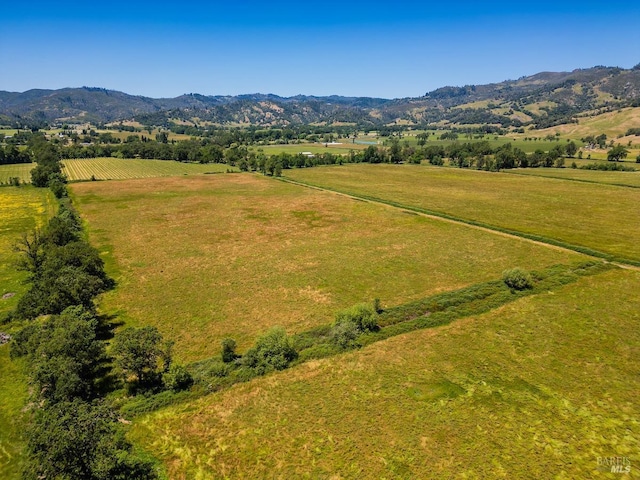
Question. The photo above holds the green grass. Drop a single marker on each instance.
(21, 209)
(115, 168)
(629, 179)
(20, 170)
(13, 397)
(539, 388)
(207, 257)
(602, 218)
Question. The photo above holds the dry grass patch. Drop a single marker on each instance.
(208, 257)
(611, 123)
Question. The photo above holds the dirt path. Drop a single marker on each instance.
(462, 223)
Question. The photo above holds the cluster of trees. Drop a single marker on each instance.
(64, 270)
(592, 141)
(275, 350)
(48, 171)
(483, 156)
(74, 433)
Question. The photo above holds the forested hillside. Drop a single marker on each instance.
(541, 100)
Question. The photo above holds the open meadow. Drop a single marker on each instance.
(604, 218)
(540, 388)
(21, 210)
(207, 257)
(627, 179)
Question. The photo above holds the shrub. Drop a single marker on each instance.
(273, 351)
(517, 279)
(219, 370)
(229, 350)
(353, 321)
(362, 315)
(344, 334)
(377, 306)
(177, 378)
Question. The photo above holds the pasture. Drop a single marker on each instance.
(20, 170)
(629, 179)
(21, 210)
(539, 388)
(600, 217)
(118, 169)
(207, 257)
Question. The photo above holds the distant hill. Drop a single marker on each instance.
(541, 100)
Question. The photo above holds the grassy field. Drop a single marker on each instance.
(13, 398)
(118, 169)
(206, 257)
(602, 217)
(631, 179)
(21, 209)
(315, 148)
(20, 170)
(539, 388)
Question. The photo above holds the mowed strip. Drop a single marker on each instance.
(207, 257)
(118, 169)
(601, 217)
(539, 388)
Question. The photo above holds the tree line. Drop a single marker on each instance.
(74, 363)
(74, 432)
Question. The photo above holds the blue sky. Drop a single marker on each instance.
(356, 48)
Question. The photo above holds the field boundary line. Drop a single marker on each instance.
(486, 227)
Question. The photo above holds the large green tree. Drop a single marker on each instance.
(141, 355)
(64, 355)
(81, 440)
(617, 153)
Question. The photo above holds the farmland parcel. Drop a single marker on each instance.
(604, 218)
(203, 258)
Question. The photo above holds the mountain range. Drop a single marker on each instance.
(541, 100)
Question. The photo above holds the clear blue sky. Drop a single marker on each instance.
(356, 48)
